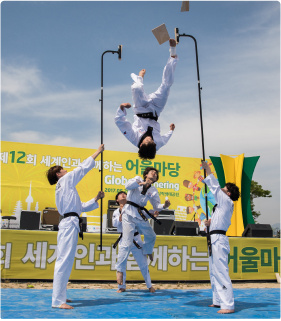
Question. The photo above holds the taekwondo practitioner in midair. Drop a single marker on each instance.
(145, 131)
(70, 207)
(141, 259)
(134, 217)
(219, 223)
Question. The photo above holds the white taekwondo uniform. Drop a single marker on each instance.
(143, 103)
(68, 200)
(131, 221)
(140, 258)
(218, 262)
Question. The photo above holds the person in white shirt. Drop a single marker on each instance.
(70, 207)
(219, 223)
(145, 131)
(141, 259)
(134, 216)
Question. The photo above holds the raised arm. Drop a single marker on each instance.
(79, 172)
(213, 184)
(124, 125)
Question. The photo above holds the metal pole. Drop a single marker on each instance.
(201, 118)
(201, 123)
(101, 168)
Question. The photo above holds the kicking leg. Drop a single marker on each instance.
(160, 96)
(142, 263)
(149, 238)
(140, 98)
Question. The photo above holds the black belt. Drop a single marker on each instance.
(80, 222)
(119, 238)
(148, 115)
(218, 232)
(140, 209)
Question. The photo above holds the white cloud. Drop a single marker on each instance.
(18, 81)
(240, 100)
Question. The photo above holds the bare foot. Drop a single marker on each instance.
(214, 306)
(224, 311)
(142, 73)
(67, 300)
(119, 278)
(172, 42)
(66, 306)
(121, 290)
(151, 290)
(150, 257)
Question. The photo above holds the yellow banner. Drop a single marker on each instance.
(25, 186)
(32, 255)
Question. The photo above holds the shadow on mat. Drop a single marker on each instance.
(164, 292)
(135, 296)
(239, 305)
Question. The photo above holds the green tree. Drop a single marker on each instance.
(257, 191)
(278, 233)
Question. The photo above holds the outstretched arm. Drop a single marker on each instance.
(99, 150)
(133, 183)
(79, 172)
(156, 203)
(167, 136)
(124, 125)
(213, 184)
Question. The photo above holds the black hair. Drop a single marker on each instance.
(233, 190)
(52, 174)
(147, 151)
(121, 192)
(148, 169)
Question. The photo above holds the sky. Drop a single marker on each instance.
(51, 77)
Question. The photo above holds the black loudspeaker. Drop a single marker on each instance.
(258, 230)
(166, 213)
(30, 220)
(184, 228)
(164, 228)
(112, 206)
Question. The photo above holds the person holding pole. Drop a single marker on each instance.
(219, 223)
(145, 131)
(70, 207)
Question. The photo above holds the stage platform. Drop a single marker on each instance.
(138, 304)
(32, 254)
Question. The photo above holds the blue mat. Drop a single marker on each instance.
(137, 304)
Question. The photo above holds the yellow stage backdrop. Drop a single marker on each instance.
(32, 255)
(25, 186)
